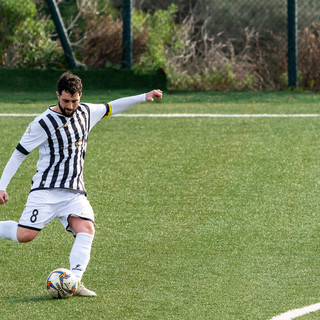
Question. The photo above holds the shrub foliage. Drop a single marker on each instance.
(175, 38)
(25, 38)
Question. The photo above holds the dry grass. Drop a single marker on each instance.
(205, 62)
(309, 53)
(102, 41)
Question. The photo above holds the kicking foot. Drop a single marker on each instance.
(84, 292)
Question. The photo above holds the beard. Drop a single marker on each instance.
(68, 113)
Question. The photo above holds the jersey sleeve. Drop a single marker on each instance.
(97, 112)
(32, 138)
(11, 168)
(123, 104)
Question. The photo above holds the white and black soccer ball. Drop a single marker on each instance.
(62, 283)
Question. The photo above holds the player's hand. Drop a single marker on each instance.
(3, 197)
(154, 93)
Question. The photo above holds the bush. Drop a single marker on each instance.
(160, 29)
(309, 53)
(197, 61)
(25, 40)
(190, 53)
(275, 57)
(12, 15)
(101, 44)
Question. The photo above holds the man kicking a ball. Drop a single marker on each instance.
(57, 189)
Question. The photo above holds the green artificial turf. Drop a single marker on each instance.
(196, 218)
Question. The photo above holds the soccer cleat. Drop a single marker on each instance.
(83, 291)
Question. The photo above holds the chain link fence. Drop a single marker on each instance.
(308, 13)
(256, 32)
(205, 44)
(231, 17)
(269, 20)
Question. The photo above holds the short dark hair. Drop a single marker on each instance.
(70, 83)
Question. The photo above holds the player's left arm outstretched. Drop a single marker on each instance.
(123, 104)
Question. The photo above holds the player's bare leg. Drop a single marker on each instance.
(26, 235)
(10, 230)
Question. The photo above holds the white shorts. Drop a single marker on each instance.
(44, 205)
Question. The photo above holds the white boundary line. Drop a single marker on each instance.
(19, 114)
(292, 314)
(215, 115)
(187, 115)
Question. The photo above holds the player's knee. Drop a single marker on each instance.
(91, 229)
(80, 225)
(86, 228)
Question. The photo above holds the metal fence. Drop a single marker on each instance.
(269, 19)
(232, 16)
(231, 19)
(308, 13)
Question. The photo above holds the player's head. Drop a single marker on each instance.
(69, 82)
(69, 93)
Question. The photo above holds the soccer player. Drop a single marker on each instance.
(57, 188)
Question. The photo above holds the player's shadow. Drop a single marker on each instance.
(15, 299)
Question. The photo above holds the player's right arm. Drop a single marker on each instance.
(31, 139)
(8, 172)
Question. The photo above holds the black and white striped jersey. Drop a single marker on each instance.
(62, 143)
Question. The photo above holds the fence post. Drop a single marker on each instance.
(292, 43)
(56, 17)
(127, 34)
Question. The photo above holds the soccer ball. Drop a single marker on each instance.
(62, 283)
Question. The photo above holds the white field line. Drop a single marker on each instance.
(292, 314)
(19, 114)
(216, 115)
(187, 115)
